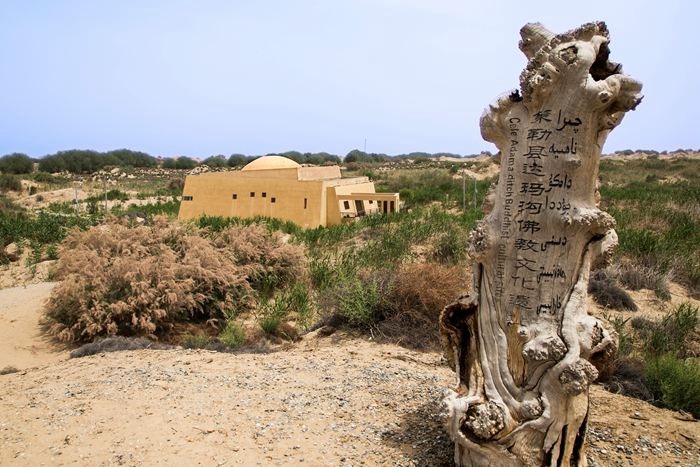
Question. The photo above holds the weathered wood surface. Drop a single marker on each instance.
(522, 344)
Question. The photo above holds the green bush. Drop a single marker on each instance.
(10, 183)
(299, 300)
(671, 335)
(195, 341)
(180, 163)
(111, 195)
(271, 314)
(675, 382)
(359, 299)
(16, 163)
(233, 335)
(215, 161)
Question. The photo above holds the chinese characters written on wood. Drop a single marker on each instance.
(523, 345)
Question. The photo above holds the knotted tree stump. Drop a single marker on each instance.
(523, 344)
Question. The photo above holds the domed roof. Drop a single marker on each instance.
(271, 163)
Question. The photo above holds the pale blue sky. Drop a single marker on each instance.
(206, 77)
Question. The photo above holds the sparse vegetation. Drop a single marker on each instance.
(195, 341)
(658, 222)
(376, 275)
(655, 360)
(605, 291)
(233, 335)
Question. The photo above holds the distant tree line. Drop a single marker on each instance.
(85, 161)
(363, 157)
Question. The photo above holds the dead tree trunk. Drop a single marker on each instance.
(522, 344)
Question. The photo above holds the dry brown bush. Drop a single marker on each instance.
(417, 295)
(268, 260)
(121, 280)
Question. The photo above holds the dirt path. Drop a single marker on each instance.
(322, 402)
(22, 344)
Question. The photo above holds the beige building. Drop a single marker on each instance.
(274, 186)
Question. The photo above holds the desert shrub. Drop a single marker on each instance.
(625, 376)
(636, 277)
(233, 335)
(607, 293)
(271, 314)
(16, 163)
(671, 335)
(675, 382)
(9, 183)
(654, 363)
(450, 247)
(52, 251)
(141, 280)
(43, 177)
(215, 161)
(167, 208)
(294, 302)
(109, 195)
(267, 259)
(195, 341)
(8, 206)
(358, 298)
(415, 299)
(175, 185)
(180, 163)
(116, 344)
(300, 301)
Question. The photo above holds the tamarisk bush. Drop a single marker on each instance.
(121, 280)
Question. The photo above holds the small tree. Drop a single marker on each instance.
(16, 163)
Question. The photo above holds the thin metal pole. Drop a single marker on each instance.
(464, 192)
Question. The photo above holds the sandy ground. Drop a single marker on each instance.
(22, 343)
(337, 400)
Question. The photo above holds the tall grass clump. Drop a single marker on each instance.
(271, 313)
(675, 382)
(656, 361)
(233, 335)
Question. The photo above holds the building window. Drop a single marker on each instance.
(305, 203)
(187, 198)
(346, 204)
(371, 202)
(235, 196)
(252, 194)
(264, 195)
(273, 199)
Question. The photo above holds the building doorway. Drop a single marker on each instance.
(359, 207)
